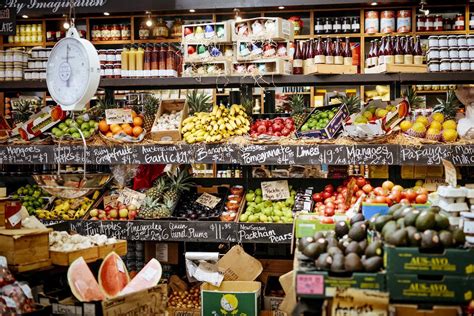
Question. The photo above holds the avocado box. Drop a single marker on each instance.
(231, 298)
(370, 209)
(332, 127)
(446, 289)
(308, 224)
(321, 284)
(452, 261)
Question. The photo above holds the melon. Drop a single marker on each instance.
(148, 277)
(82, 282)
(113, 275)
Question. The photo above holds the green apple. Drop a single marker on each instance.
(249, 197)
(263, 218)
(258, 191)
(258, 199)
(360, 120)
(368, 115)
(252, 219)
(244, 217)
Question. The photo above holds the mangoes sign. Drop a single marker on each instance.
(7, 21)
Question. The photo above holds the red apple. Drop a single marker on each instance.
(380, 191)
(326, 195)
(261, 129)
(410, 195)
(367, 188)
(421, 199)
(329, 212)
(329, 188)
(317, 197)
(285, 131)
(277, 127)
(132, 215)
(113, 214)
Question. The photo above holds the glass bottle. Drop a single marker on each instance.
(418, 52)
(155, 60)
(318, 26)
(309, 54)
(124, 56)
(337, 26)
(347, 53)
(375, 54)
(298, 60)
(319, 57)
(171, 69)
(346, 25)
(398, 51)
(329, 52)
(162, 61)
(389, 57)
(139, 60)
(355, 25)
(143, 32)
(370, 55)
(132, 62)
(147, 61)
(408, 51)
(327, 26)
(338, 57)
(381, 51)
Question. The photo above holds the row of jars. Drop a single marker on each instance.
(451, 64)
(450, 53)
(111, 32)
(12, 63)
(160, 29)
(27, 33)
(438, 23)
(54, 36)
(387, 21)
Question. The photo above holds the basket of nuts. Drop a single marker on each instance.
(185, 303)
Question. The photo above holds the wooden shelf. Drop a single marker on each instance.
(441, 33)
(387, 34)
(431, 91)
(162, 40)
(22, 44)
(110, 42)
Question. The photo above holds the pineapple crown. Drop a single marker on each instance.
(150, 104)
(103, 104)
(297, 104)
(351, 101)
(415, 101)
(181, 181)
(448, 107)
(198, 102)
(247, 103)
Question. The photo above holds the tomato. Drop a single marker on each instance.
(389, 201)
(329, 188)
(396, 196)
(422, 191)
(421, 199)
(360, 181)
(397, 188)
(367, 188)
(380, 191)
(388, 185)
(410, 195)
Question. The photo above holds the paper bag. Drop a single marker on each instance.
(237, 265)
(287, 284)
(359, 302)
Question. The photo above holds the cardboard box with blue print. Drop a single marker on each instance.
(324, 122)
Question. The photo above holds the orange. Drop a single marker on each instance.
(127, 129)
(109, 134)
(134, 114)
(125, 125)
(137, 121)
(103, 126)
(137, 130)
(115, 128)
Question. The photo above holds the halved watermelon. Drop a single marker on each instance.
(82, 282)
(148, 277)
(113, 275)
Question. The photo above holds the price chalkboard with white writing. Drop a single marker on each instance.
(265, 233)
(267, 154)
(7, 21)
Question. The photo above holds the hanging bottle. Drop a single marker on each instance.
(398, 51)
(408, 52)
(319, 57)
(389, 57)
(418, 52)
(338, 57)
(298, 60)
(329, 52)
(347, 53)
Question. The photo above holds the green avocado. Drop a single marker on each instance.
(373, 264)
(337, 264)
(401, 222)
(414, 237)
(332, 251)
(394, 208)
(352, 263)
(429, 239)
(459, 237)
(380, 222)
(357, 218)
(303, 242)
(389, 228)
(398, 238)
(318, 235)
(323, 262)
(363, 245)
(341, 229)
(410, 218)
(353, 247)
(442, 222)
(426, 220)
(313, 250)
(375, 248)
(446, 238)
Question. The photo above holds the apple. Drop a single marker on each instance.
(261, 129)
(102, 216)
(326, 195)
(329, 212)
(277, 134)
(277, 127)
(108, 208)
(94, 218)
(113, 214)
(388, 185)
(94, 213)
(317, 197)
(380, 191)
(329, 188)
(367, 188)
(268, 123)
(132, 207)
(397, 188)
(132, 214)
(123, 213)
(285, 131)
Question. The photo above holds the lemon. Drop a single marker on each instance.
(450, 135)
(405, 125)
(419, 127)
(436, 125)
(423, 119)
(439, 117)
(450, 124)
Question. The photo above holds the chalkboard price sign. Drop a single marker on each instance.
(7, 21)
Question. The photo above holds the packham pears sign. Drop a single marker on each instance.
(7, 21)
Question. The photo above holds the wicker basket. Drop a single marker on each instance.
(123, 138)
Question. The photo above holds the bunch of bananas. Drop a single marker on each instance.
(217, 125)
(68, 209)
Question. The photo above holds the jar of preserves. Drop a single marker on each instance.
(96, 33)
(470, 40)
(118, 56)
(465, 65)
(429, 23)
(471, 52)
(443, 52)
(459, 22)
(109, 71)
(463, 52)
(403, 21)
(452, 41)
(421, 23)
(115, 33)
(433, 53)
(125, 32)
(143, 32)
(387, 21)
(161, 29)
(453, 52)
(462, 40)
(447, 24)
(117, 71)
(105, 33)
(471, 22)
(371, 22)
(177, 28)
(433, 66)
(455, 64)
(438, 23)
(110, 53)
(50, 36)
(471, 61)
(433, 41)
(445, 65)
(442, 40)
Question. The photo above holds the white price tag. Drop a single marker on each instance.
(450, 173)
(275, 190)
(130, 197)
(9, 301)
(118, 116)
(208, 200)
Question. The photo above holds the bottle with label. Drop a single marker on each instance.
(381, 51)
(256, 108)
(408, 51)
(347, 53)
(338, 56)
(147, 61)
(370, 55)
(155, 58)
(398, 51)
(346, 25)
(319, 57)
(417, 52)
(318, 26)
(139, 60)
(328, 26)
(132, 62)
(389, 56)
(125, 58)
(355, 25)
(298, 60)
(375, 54)
(329, 52)
(337, 26)
(308, 61)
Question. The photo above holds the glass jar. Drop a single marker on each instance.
(459, 22)
(433, 53)
(453, 52)
(110, 57)
(60, 34)
(465, 65)
(421, 23)
(443, 52)
(50, 36)
(117, 71)
(429, 23)
(452, 41)
(143, 32)
(447, 24)
(470, 40)
(471, 61)
(462, 40)
(433, 66)
(115, 33)
(455, 64)
(118, 56)
(463, 52)
(403, 21)
(387, 21)
(96, 33)
(471, 22)
(471, 52)
(109, 71)
(177, 28)
(442, 40)
(34, 29)
(445, 65)
(433, 41)
(105, 33)
(125, 32)
(371, 22)
(438, 23)
(23, 29)
(161, 29)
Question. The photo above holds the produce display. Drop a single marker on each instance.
(435, 128)
(133, 131)
(346, 249)
(116, 212)
(319, 119)
(68, 209)
(185, 299)
(232, 204)
(389, 193)
(333, 201)
(264, 211)
(168, 121)
(32, 197)
(71, 126)
(112, 276)
(277, 127)
(64, 242)
(15, 296)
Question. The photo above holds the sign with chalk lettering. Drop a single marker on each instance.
(7, 21)
(450, 173)
(130, 197)
(275, 190)
(208, 200)
(118, 116)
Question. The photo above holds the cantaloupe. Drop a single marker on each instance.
(82, 282)
(113, 275)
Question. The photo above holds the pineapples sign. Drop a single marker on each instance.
(130, 197)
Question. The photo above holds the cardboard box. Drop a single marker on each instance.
(414, 310)
(41, 122)
(172, 311)
(269, 54)
(65, 258)
(24, 246)
(396, 68)
(321, 69)
(452, 261)
(306, 224)
(225, 36)
(282, 29)
(236, 297)
(167, 106)
(272, 301)
(366, 303)
(120, 248)
(272, 66)
(164, 252)
(319, 284)
(331, 129)
(448, 289)
(207, 56)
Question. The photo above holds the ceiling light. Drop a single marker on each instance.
(281, 7)
(148, 22)
(192, 10)
(106, 13)
(66, 25)
(25, 16)
(374, 3)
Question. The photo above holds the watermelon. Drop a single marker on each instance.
(148, 277)
(113, 275)
(82, 282)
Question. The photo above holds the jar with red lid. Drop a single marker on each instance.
(96, 33)
(429, 23)
(109, 71)
(403, 21)
(102, 56)
(371, 22)
(115, 33)
(125, 32)
(459, 22)
(60, 34)
(438, 23)
(50, 36)
(387, 21)
(105, 33)
(421, 23)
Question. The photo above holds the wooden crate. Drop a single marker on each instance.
(63, 258)
(239, 57)
(191, 39)
(24, 246)
(274, 66)
(30, 266)
(2, 212)
(396, 68)
(173, 311)
(226, 66)
(329, 69)
(207, 57)
(166, 107)
(150, 301)
(120, 248)
(283, 30)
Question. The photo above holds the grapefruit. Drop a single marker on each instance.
(82, 282)
(113, 275)
(148, 277)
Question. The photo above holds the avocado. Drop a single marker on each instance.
(389, 228)
(424, 221)
(381, 220)
(313, 250)
(398, 238)
(332, 242)
(401, 222)
(357, 218)
(323, 262)
(303, 242)
(352, 263)
(410, 217)
(398, 213)
(373, 264)
(363, 245)
(357, 232)
(341, 229)
(392, 209)
(318, 235)
(344, 242)
(414, 237)
(353, 247)
(429, 239)
(459, 237)
(337, 264)
(442, 222)
(363, 224)
(446, 238)
(372, 221)
(334, 251)
(407, 210)
(375, 248)
(434, 209)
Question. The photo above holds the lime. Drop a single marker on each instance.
(59, 134)
(37, 193)
(15, 196)
(72, 130)
(55, 130)
(69, 122)
(80, 120)
(330, 115)
(76, 135)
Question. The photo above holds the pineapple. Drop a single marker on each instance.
(448, 107)
(179, 183)
(102, 105)
(22, 111)
(156, 192)
(352, 102)
(152, 208)
(150, 107)
(414, 101)
(247, 103)
(298, 110)
(198, 102)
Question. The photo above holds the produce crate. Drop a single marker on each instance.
(152, 300)
(282, 30)
(318, 69)
(415, 310)
(198, 69)
(396, 68)
(65, 258)
(370, 209)
(243, 297)
(31, 266)
(24, 247)
(410, 260)
(331, 129)
(447, 289)
(306, 225)
(322, 284)
(273, 66)
(168, 106)
(120, 248)
(192, 39)
(173, 311)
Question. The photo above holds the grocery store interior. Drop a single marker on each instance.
(247, 158)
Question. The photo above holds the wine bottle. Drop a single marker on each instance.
(418, 52)
(308, 61)
(408, 52)
(398, 51)
(381, 51)
(329, 52)
(298, 60)
(370, 58)
(319, 57)
(375, 54)
(347, 53)
(389, 57)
